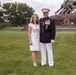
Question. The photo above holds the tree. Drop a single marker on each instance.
(1, 18)
(1, 14)
(16, 13)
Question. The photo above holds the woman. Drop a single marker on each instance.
(33, 34)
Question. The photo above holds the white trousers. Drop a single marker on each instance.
(48, 47)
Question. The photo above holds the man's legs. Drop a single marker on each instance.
(43, 53)
(50, 54)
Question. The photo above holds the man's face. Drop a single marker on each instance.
(45, 14)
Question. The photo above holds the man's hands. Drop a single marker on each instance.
(52, 41)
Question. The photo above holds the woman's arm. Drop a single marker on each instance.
(29, 34)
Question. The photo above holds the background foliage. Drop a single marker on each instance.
(15, 13)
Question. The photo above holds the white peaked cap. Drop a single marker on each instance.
(45, 10)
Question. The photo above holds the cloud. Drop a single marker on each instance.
(37, 5)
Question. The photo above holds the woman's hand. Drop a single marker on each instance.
(30, 42)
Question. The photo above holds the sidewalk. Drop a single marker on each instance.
(66, 29)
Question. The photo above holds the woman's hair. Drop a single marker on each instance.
(31, 20)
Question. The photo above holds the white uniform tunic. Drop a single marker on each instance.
(34, 37)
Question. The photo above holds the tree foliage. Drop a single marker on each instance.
(16, 13)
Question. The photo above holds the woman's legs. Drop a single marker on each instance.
(34, 57)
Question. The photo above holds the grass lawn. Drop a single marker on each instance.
(13, 28)
(15, 57)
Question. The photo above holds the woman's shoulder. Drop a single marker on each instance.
(30, 24)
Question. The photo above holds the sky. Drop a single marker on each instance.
(37, 5)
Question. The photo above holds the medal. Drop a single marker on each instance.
(46, 26)
(47, 22)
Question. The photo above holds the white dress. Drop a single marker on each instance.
(35, 37)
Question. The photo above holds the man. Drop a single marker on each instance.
(47, 36)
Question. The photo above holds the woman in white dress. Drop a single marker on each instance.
(33, 34)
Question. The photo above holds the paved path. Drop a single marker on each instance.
(66, 29)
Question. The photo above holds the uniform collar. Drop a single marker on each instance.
(46, 17)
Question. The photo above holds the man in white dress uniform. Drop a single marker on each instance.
(47, 36)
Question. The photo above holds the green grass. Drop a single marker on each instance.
(15, 56)
(13, 28)
(20, 28)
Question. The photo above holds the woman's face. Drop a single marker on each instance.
(35, 18)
